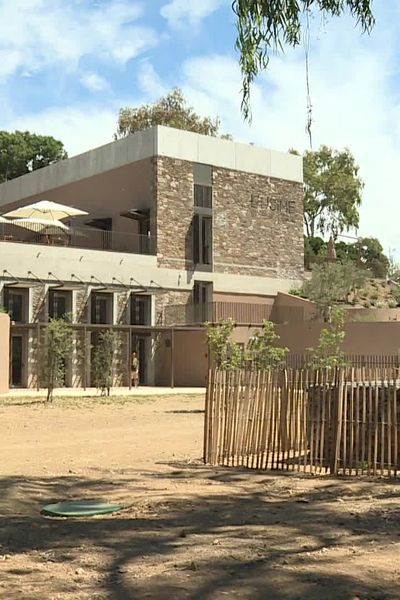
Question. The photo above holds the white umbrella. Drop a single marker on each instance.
(40, 225)
(44, 209)
(3, 220)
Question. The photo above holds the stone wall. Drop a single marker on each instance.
(257, 221)
(170, 298)
(174, 191)
(257, 225)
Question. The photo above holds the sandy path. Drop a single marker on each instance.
(187, 531)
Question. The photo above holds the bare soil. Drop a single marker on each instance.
(186, 530)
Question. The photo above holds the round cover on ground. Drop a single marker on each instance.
(79, 508)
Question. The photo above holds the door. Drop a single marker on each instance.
(140, 345)
(16, 360)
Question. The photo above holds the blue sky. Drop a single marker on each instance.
(67, 66)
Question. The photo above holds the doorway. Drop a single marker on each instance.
(141, 345)
(17, 361)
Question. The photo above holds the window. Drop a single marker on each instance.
(102, 307)
(140, 310)
(202, 300)
(15, 303)
(202, 196)
(59, 304)
(202, 239)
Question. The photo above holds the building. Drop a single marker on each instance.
(181, 228)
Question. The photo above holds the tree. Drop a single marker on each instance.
(265, 26)
(22, 152)
(103, 361)
(329, 353)
(371, 256)
(262, 350)
(58, 344)
(332, 283)
(226, 354)
(171, 110)
(332, 191)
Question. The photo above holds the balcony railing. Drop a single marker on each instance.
(195, 314)
(90, 238)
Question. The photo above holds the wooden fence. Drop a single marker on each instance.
(345, 421)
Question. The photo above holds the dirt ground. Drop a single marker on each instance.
(187, 530)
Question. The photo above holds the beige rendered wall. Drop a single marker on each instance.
(361, 338)
(292, 308)
(190, 359)
(4, 352)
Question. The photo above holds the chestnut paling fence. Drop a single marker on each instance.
(342, 421)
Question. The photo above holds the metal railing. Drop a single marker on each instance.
(88, 237)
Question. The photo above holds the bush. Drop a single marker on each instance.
(328, 353)
(392, 303)
(103, 361)
(396, 294)
(58, 344)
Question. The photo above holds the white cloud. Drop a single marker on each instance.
(94, 82)
(79, 128)
(179, 13)
(149, 81)
(35, 34)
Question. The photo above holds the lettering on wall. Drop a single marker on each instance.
(273, 206)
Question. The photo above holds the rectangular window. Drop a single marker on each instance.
(140, 310)
(59, 304)
(15, 303)
(202, 300)
(202, 239)
(102, 308)
(202, 196)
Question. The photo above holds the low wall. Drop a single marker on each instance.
(190, 359)
(4, 352)
(366, 338)
(289, 308)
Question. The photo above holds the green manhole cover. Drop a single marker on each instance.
(79, 508)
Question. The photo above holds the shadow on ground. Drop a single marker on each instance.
(271, 537)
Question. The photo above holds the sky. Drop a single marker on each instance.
(68, 66)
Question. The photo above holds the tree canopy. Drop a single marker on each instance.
(332, 191)
(366, 253)
(332, 283)
(265, 26)
(22, 152)
(171, 110)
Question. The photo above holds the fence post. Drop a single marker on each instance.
(337, 425)
(207, 416)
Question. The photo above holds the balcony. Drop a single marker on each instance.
(86, 238)
(195, 314)
(240, 312)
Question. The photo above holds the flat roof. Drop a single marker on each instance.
(156, 141)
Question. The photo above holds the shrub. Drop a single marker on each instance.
(328, 353)
(58, 344)
(261, 349)
(103, 361)
(396, 294)
(392, 303)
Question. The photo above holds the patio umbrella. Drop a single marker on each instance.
(44, 209)
(41, 225)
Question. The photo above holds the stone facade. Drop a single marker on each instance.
(257, 225)
(257, 221)
(174, 192)
(170, 298)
